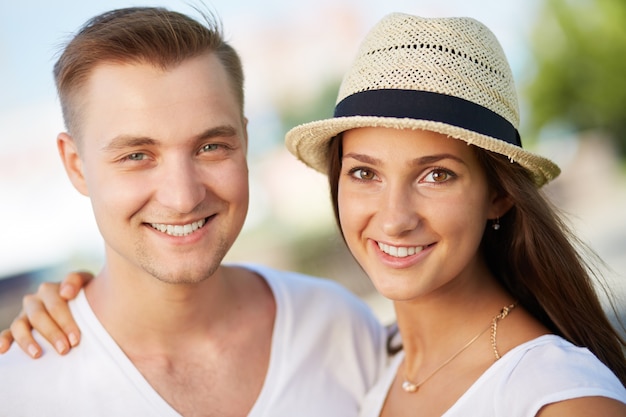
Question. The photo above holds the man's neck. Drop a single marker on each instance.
(189, 341)
(144, 311)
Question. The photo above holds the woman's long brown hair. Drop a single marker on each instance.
(537, 259)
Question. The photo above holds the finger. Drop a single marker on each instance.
(50, 314)
(21, 333)
(73, 282)
(6, 338)
(37, 316)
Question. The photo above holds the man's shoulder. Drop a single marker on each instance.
(27, 382)
(51, 366)
(298, 284)
(19, 370)
(96, 384)
(14, 358)
(310, 296)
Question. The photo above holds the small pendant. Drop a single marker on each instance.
(408, 386)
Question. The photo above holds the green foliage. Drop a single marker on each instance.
(579, 48)
(318, 107)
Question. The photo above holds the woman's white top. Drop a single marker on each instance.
(539, 372)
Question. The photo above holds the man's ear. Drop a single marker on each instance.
(245, 133)
(68, 150)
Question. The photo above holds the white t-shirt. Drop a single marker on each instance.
(327, 352)
(540, 372)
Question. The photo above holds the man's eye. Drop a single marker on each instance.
(210, 147)
(137, 156)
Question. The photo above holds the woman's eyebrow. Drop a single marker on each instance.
(366, 159)
(422, 160)
(431, 159)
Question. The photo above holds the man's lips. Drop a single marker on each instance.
(179, 229)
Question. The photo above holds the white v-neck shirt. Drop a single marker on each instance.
(327, 351)
(542, 371)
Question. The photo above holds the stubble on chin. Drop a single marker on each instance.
(196, 272)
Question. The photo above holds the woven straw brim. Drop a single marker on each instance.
(446, 75)
(309, 142)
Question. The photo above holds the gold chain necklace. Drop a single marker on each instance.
(409, 386)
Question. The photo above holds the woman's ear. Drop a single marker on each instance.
(68, 150)
(500, 205)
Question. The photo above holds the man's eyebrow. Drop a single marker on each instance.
(129, 141)
(218, 131)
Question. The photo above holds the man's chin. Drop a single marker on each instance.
(180, 274)
(184, 277)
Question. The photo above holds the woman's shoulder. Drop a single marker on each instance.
(555, 353)
(549, 369)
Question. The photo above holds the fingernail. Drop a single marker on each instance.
(73, 339)
(60, 346)
(33, 351)
(66, 291)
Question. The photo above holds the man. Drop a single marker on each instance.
(156, 138)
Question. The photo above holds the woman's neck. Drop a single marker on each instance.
(435, 327)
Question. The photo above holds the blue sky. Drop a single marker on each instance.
(31, 31)
(283, 43)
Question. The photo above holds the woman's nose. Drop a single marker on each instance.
(398, 211)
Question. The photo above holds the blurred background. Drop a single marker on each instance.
(568, 58)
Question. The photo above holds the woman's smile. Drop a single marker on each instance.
(413, 207)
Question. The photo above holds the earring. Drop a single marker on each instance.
(496, 224)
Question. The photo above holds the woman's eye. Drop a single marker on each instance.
(438, 175)
(363, 174)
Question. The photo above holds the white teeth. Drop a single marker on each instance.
(178, 230)
(399, 251)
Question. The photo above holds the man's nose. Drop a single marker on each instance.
(180, 187)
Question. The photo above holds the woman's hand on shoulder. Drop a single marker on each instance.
(47, 311)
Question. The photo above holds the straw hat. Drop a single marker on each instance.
(447, 75)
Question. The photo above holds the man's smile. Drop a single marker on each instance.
(178, 229)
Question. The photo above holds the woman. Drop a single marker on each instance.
(490, 295)
(495, 308)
